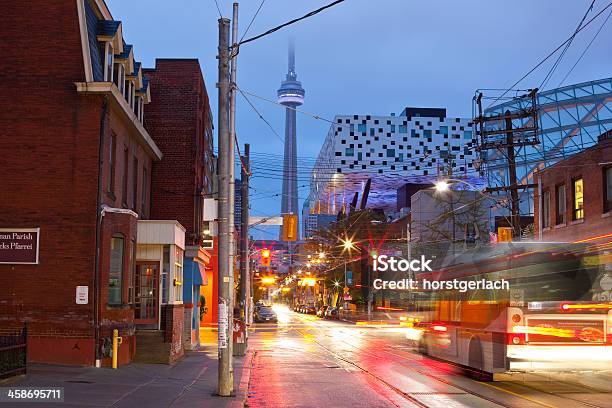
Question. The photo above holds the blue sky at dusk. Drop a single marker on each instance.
(365, 57)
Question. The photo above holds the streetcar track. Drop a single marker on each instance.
(379, 379)
(408, 396)
(505, 390)
(386, 349)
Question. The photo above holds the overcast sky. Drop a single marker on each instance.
(366, 57)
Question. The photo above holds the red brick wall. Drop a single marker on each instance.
(586, 165)
(49, 158)
(177, 119)
(173, 321)
(49, 149)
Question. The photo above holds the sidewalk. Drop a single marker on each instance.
(192, 382)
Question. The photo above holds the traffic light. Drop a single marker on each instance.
(265, 257)
(290, 227)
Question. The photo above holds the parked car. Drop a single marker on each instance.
(265, 314)
(321, 311)
(332, 313)
(310, 310)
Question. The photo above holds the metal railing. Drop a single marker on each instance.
(13, 352)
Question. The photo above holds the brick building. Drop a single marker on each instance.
(180, 122)
(77, 164)
(575, 202)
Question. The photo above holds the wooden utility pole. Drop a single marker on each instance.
(225, 374)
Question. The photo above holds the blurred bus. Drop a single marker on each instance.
(556, 315)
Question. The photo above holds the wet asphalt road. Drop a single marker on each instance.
(304, 361)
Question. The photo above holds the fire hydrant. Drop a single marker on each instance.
(116, 342)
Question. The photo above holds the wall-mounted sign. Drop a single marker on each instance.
(82, 295)
(19, 245)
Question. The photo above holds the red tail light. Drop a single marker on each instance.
(515, 339)
(439, 328)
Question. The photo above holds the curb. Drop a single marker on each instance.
(243, 387)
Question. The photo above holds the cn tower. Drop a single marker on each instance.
(291, 95)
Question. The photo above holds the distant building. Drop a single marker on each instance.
(405, 192)
(237, 203)
(413, 147)
(291, 95)
(450, 216)
(576, 196)
(180, 122)
(570, 119)
(315, 222)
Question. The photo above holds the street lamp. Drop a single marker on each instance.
(348, 244)
(441, 186)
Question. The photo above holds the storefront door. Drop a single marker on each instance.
(147, 293)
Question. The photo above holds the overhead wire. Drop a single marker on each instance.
(558, 61)
(252, 20)
(585, 50)
(272, 30)
(218, 9)
(553, 52)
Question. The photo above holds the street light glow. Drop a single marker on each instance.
(268, 280)
(442, 186)
(348, 244)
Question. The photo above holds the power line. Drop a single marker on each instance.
(287, 107)
(218, 9)
(260, 115)
(252, 20)
(558, 61)
(272, 30)
(585, 50)
(550, 54)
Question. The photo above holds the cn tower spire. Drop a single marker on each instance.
(291, 94)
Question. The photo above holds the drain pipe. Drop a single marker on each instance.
(99, 215)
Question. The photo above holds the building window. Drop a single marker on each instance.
(119, 77)
(607, 177)
(165, 273)
(560, 192)
(361, 127)
(115, 275)
(135, 184)
(108, 62)
(178, 275)
(112, 159)
(403, 129)
(124, 181)
(137, 107)
(578, 199)
(546, 209)
(141, 117)
(127, 91)
(132, 272)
